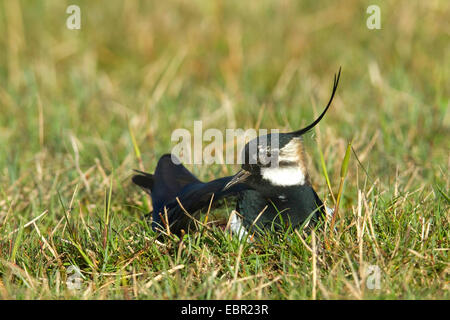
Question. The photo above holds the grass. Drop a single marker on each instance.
(81, 108)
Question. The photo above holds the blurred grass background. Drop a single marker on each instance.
(69, 99)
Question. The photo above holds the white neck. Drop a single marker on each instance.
(287, 176)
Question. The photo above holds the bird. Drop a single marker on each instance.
(270, 195)
(177, 195)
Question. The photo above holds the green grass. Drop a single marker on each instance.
(71, 102)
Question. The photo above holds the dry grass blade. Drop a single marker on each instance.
(28, 223)
(162, 275)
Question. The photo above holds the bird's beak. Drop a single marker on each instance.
(241, 176)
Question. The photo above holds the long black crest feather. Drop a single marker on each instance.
(312, 125)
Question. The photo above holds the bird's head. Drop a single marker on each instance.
(277, 159)
(272, 160)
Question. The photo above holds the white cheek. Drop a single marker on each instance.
(289, 176)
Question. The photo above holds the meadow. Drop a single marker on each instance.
(80, 109)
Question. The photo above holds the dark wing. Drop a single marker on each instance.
(193, 198)
(167, 181)
(171, 181)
